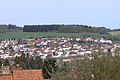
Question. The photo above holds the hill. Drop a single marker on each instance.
(116, 30)
(65, 29)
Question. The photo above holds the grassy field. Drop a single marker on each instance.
(115, 33)
(45, 34)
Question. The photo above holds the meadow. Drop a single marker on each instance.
(115, 33)
(45, 34)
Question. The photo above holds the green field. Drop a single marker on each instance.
(45, 34)
(115, 33)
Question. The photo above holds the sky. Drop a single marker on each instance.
(100, 13)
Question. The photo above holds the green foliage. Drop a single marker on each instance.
(1, 62)
(36, 63)
(65, 29)
(6, 63)
(49, 67)
(9, 28)
(100, 67)
(21, 61)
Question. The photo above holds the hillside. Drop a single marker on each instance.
(116, 30)
(47, 34)
(13, 31)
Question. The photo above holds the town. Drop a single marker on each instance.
(59, 40)
(56, 47)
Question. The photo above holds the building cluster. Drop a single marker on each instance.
(56, 47)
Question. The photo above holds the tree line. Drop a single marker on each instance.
(65, 29)
(9, 28)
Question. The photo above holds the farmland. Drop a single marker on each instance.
(45, 34)
(115, 33)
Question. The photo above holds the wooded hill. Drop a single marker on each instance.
(65, 29)
(116, 30)
(9, 28)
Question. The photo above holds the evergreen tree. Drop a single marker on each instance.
(49, 67)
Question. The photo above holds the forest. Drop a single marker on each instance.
(9, 28)
(65, 29)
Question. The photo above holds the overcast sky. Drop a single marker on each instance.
(87, 12)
